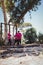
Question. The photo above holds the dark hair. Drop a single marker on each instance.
(18, 31)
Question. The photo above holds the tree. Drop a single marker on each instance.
(40, 37)
(30, 35)
(18, 8)
(5, 18)
(26, 24)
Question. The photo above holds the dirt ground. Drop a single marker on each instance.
(22, 56)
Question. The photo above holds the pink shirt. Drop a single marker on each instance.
(18, 36)
(9, 35)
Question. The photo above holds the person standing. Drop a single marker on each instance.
(19, 36)
(9, 38)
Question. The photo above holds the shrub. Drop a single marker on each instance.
(40, 37)
(30, 35)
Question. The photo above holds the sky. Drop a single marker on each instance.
(36, 20)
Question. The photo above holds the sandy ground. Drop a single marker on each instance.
(29, 59)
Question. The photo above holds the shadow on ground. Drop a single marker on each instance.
(19, 52)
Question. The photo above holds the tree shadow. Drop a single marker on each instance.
(17, 52)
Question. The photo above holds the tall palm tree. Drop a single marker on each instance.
(5, 18)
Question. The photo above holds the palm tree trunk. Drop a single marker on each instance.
(5, 18)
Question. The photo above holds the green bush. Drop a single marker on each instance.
(30, 35)
(40, 37)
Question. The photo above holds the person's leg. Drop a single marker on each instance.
(17, 42)
(20, 41)
(9, 41)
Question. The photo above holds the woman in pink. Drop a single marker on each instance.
(18, 37)
(9, 38)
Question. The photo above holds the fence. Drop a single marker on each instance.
(10, 28)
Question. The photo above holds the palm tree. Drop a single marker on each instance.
(5, 18)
